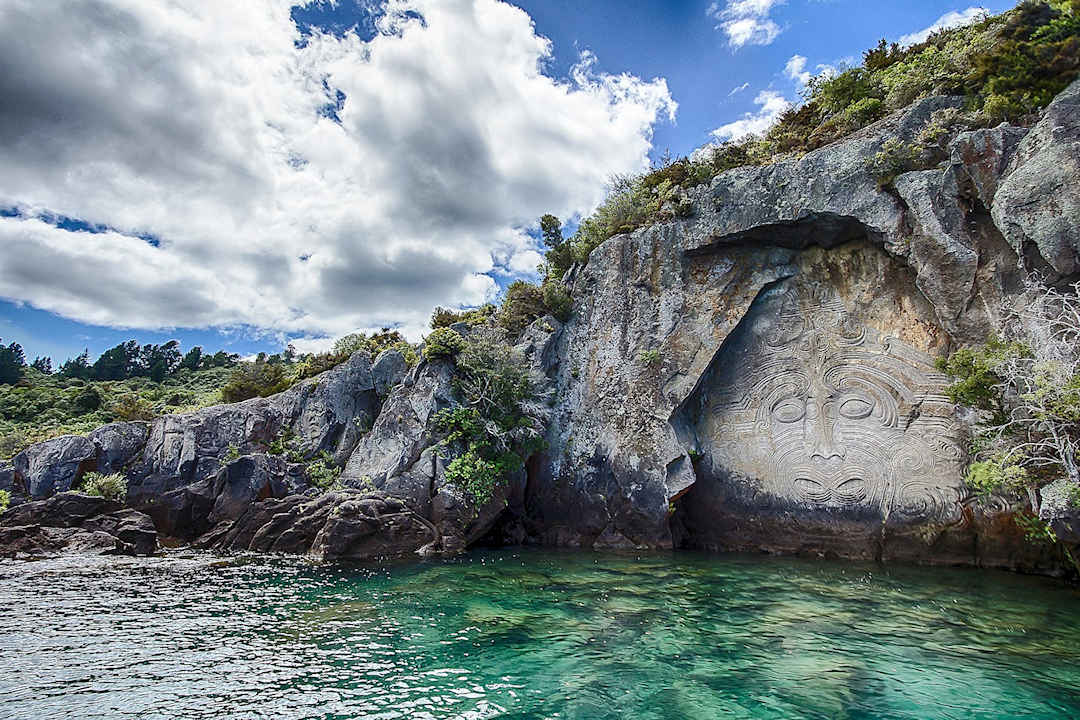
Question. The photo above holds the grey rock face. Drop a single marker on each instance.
(1037, 203)
(118, 444)
(877, 281)
(54, 465)
(984, 156)
(403, 429)
(389, 370)
(321, 414)
(812, 416)
(941, 250)
(248, 479)
(58, 465)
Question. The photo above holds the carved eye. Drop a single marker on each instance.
(852, 490)
(855, 408)
(789, 410)
(812, 489)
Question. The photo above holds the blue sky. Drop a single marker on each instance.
(328, 206)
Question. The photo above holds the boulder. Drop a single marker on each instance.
(983, 156)
(246, 480)
(73, 523)
(118, 444)
(389, 369)
(1037, 205)
(403, 429)
(341, 525)
(54, 465)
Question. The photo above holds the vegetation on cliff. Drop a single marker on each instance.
(1024, 385)
(502, 418)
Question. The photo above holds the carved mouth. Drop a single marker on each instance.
(850, 491)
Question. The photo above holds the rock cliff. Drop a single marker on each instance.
(758, 376)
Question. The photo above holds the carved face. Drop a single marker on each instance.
(820, 410)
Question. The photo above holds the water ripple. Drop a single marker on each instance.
(531, 635)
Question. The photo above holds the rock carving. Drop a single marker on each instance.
(819, 409)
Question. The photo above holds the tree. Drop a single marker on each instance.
(193, 359)
(78, 367)
(560, 254)
(222, 359)
(118, 363)
(551, 230)
(150, 355)
(42, 364)
(1025, 385)
(12, 362)
(158, 370)
(258, 379)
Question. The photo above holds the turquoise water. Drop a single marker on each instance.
(532, 634)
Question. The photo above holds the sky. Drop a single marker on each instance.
(244, 175)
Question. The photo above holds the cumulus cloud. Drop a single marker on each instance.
(796, 70)
(771, 105)
(299, 185)
(956, 18)
(746, 22)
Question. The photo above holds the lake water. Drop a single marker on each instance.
(532, 634)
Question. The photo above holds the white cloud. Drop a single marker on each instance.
(956, 18)
(209, 126)
(736, 91)
(746, 21)
(796, 70)
(772, 105)
(304, 345)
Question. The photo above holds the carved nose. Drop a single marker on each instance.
(820, 433)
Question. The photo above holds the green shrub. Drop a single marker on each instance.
(557, 299)
(478, 476)
(997, 476)
(131, 407)
(649, 358)
(864, 112)
(88, 400)
(502, 420)
(110, 487)
(894, 159)
(255, 379)
(524, 302)
(12, 443)
(5, 501)
(443, 343)
(232, 453)
(444, 317)
(323, 473)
